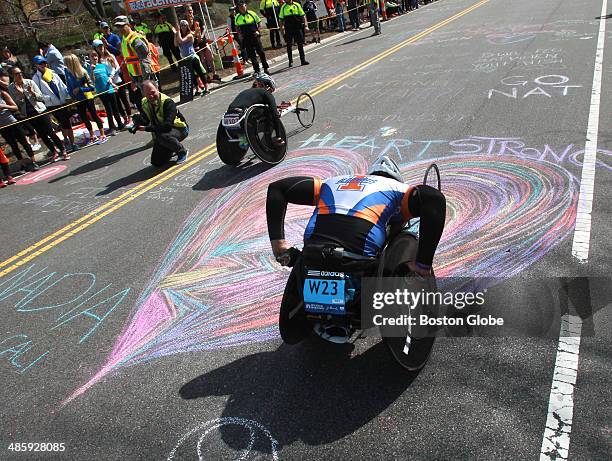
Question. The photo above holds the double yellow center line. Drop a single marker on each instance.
(113, 205)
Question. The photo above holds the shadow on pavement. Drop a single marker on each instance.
(355, 40)
(99, 163)
(314, 392)
(607, 16)
(227, 175)
(138, 176)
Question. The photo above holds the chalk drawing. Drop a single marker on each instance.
(204, 429)
(51, 301)
(219, 286)
(41, 175)
(521, 87)
(538, 59)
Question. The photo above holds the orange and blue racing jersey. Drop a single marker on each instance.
(376, 200)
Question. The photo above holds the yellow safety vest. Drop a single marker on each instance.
(161, 28)
(157, 112)
(265, 4)
(132, 61)
(247, 19)
(295, 9)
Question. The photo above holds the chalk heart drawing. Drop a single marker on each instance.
(218, 285)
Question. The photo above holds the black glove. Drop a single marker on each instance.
(133, 129)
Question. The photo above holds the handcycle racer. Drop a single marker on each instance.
(259, 93)
(354, 213)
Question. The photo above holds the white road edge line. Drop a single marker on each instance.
(582, 231)
(556, 439)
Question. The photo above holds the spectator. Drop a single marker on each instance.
(81, 88)
(339, 6)
(292, 17)
(137, 56)
(331, 14)
(110, 40)
(29, 99)
(8, 60)
(55, 60)
(414, 4)
(102, 77)
(183, 38)
(55, 94)
(4, 163)
(161, 118)
(201, 44)
(12, 131)
(248, 23)
(353, 11)
(165, 38)
(310, 9)
(123, 105)
(373, 7)
(270, 9)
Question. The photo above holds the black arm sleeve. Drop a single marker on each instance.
(297, 189)
(430, 205)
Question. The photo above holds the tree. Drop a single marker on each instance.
(27, 12)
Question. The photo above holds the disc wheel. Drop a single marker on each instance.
(259, 133)
(230, 153)
(305, 110)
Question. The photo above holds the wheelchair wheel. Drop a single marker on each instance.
(410, 352)
(412, 355)
(259, 133)
(305, 110)
(230, 153)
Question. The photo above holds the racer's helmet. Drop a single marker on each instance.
(385, 166)
(266, 80)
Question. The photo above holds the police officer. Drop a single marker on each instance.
(270, 9)
(165, 38)
(248, 23)
(292, 16)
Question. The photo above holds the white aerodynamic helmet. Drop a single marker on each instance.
(266, 80)
(385, 166)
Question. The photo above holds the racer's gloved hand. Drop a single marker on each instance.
(133, 129)
(289, 257)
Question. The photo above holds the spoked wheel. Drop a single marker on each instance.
(305, 110)
(259, 133)
(230, 153)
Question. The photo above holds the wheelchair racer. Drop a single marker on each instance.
(353, 212)
(259, 93)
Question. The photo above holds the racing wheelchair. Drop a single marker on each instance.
(255, 125)
(334, 313)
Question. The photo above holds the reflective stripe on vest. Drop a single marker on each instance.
(158, 112)
(132, 61)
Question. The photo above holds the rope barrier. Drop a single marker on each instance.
(209, 42)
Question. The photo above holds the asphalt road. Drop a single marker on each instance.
(144, 325)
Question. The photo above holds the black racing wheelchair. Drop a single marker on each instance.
(255, 125)
(334, 312)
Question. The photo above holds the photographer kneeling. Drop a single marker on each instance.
(167, 125)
